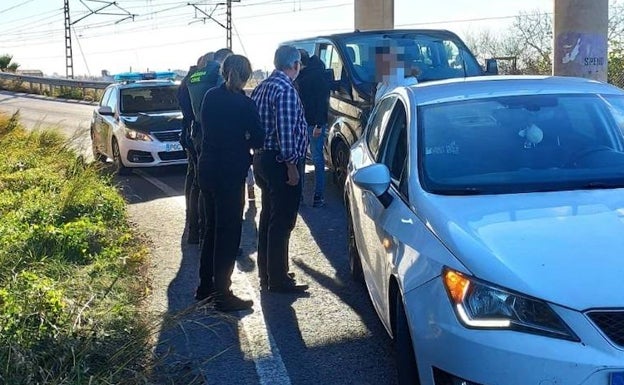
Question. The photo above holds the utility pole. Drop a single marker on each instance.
(228, 22)
(374, 14)
(581, 30)
(69, 59)
(228, 26)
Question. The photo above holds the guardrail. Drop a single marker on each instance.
(49, 86)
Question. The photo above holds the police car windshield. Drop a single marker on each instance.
(428, 56)
(149, 99)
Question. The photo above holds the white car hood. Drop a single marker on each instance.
(563, 247)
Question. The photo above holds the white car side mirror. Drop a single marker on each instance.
(374, 178)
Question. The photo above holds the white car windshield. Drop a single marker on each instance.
(149, 99)
(522, 144)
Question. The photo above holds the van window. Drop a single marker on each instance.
(433, 57)
(307, 45)
(331, 58)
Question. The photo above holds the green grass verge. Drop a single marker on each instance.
(71, 268)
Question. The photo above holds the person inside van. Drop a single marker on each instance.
(391, 71)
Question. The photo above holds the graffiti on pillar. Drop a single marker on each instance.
(582, 53)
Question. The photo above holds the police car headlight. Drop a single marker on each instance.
(136, 135)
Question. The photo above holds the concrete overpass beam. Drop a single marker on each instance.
(374, 14)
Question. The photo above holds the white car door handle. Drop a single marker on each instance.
(408, 221)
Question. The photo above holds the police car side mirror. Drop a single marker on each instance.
(105, 111)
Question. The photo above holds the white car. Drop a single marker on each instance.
(486, 216)
(138, 124)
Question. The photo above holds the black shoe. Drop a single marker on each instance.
(203, 293)
(230, 302)
(289, 286)
(264, 284)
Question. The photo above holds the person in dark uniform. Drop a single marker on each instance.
(276, 167)
(230, 129)
(207, 76)
(191, 188)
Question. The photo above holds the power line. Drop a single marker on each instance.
(15, 6)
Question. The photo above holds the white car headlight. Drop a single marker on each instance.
(137, 135)
(483, 306)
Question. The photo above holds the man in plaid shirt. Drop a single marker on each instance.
(278, 168)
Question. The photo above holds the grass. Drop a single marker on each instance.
(72, 275)
(91, 95)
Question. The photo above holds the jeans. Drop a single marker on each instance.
(318, 159)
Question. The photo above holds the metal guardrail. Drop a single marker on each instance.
(72, 83)
(37, 83)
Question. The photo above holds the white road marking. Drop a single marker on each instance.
(264, 351)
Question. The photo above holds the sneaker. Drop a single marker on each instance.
(231, 302)
(318, 201)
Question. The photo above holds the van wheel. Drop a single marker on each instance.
(355, 264)
(120, 169)
(407, 370)
(341, 162)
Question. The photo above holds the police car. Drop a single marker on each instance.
(138, 122)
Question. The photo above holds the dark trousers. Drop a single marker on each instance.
(280, 204)
(222, 234)
(191, 193)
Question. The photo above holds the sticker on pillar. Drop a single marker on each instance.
(582, 53)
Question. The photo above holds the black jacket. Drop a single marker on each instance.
(313, 86)
(184, 101)
(230, 128)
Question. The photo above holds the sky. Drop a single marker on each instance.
(170, 35)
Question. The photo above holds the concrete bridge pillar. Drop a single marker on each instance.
(374, 14)
(581, 38)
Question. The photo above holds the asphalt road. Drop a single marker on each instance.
(329, 336)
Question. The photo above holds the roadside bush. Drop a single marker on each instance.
(71, 268)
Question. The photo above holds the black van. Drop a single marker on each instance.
(438, 54)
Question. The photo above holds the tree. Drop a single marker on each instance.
(615, 70)
(6, 63)
(529, 42)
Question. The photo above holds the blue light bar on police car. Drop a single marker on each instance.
(136, 76)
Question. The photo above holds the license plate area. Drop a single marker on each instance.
(173, 146)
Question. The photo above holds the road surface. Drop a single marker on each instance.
(330, 336)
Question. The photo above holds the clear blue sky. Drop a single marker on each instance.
(169, 34)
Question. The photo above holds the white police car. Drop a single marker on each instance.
(138, 122)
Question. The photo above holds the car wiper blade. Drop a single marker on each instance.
(458, 191)
(601, 185)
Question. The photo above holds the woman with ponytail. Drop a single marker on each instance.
(231, 128)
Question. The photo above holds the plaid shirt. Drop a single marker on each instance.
(281, 115)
